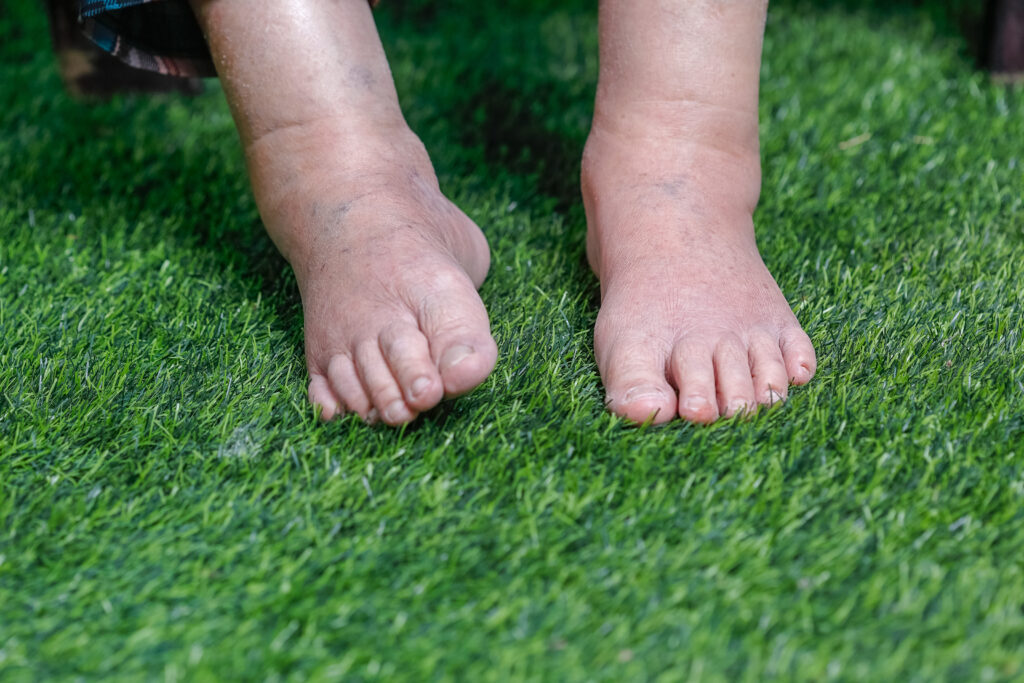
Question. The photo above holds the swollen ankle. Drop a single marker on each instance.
(719, 176)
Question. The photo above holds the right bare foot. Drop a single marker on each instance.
(387, 267)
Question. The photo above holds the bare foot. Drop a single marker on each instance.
(387, 267)
(691, 321)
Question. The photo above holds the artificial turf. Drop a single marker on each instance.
(170, 507)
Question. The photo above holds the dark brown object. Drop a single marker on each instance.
(1005, 40)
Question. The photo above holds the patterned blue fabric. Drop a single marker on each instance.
(156, 35)
(93, 7)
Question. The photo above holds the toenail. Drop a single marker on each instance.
(455, 355)
(696, 404)
(420, 386)
(737, 407)
(773, 397)
(395, 411)
(372, 416)
(641, 393)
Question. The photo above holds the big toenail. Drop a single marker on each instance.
(455, 355)
(420, 386)
(641, 393)
(394, 411)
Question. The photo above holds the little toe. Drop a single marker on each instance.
(735, 386)
(694, 373)
(635, 384)
(341, 373)
(320, 394)
(798, 355)
(768, 371)
(458, 331)
(408, 356)
(381, 386)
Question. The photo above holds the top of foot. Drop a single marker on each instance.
(387, 267)
(691, 322)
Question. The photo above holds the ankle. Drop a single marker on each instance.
(665, 146)
(669, 121)
(304, 174)
(330, 156)
(356, 140)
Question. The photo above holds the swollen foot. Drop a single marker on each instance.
(387, 267)
(691, 322)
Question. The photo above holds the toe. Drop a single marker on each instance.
(735, 387)
(320, 394)
(464, 366)
(798, 355)
(408, 356)
(768, 371)
(458, 331)
(381, 386)
(694, 373)
(341, 374)
(635, 383)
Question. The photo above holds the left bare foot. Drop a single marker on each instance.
(691, 321)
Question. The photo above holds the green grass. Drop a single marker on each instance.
(170, 508)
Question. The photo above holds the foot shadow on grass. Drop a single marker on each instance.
(134, 160)
(503, 122)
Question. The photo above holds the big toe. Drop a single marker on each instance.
(633, 373)
(455, 323)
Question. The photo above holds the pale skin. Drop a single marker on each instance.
(691, 322)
